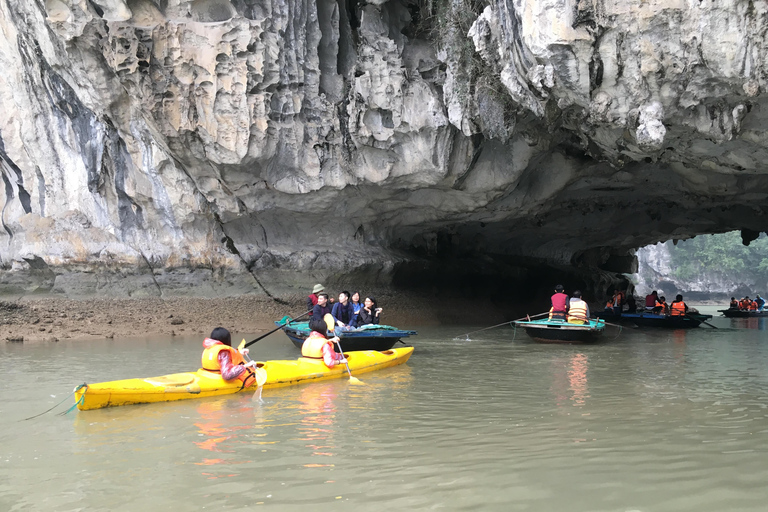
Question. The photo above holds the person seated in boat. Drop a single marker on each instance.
(369, 313)
(760, 302)
(342, 311)
(322, 307)
(752, 305)
(318, 346)
(662, 308)
(618, 302)
(312, 299)
(734, 303)
(631, 304)
(651, 299)
(744, 303)
(578, 310)
(219, 356)
(559, 303)
(678, 307)
(354, 300)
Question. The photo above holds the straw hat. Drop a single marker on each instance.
(318, 288)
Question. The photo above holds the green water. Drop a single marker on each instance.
(649, 421)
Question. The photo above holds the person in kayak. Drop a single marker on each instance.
(219, 356)
(578, 310)
(318, 346)
(559, 304)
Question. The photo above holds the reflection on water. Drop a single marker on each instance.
(653, 421)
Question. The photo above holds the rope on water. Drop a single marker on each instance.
(78, 402)
(480, 330)
(618, 334)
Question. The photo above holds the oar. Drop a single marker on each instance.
(702, 321)
(352, 380)
(526, 317)
(270, 332)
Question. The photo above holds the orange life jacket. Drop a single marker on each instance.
(753, 306)
(677, 309)
(210, 361)
(313, 345)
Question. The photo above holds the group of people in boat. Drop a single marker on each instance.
(348, 312)
(573, 310)
(658, 305)
(747, 304)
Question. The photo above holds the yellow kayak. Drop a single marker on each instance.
(202, 383)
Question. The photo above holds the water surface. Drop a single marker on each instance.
(650, 421)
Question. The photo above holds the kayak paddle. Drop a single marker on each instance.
(352, 380)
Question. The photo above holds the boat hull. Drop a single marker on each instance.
(202, 383)
(545, 331)
(645, 319)
(740, 313)
(350, 341)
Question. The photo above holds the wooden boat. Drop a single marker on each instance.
(743, 313)
(202, 383)
(559, 331)
(648, 319)
(367, 337)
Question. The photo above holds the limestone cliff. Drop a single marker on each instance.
(201, 141)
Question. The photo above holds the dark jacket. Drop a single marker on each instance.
(342, 313)
(364, 317)
(319, 311)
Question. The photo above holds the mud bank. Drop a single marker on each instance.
(35, 320)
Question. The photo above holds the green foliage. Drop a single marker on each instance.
(723, 255)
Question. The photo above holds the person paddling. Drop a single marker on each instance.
(318, 346)
(559, 303)
(312, 299)
(219, 356)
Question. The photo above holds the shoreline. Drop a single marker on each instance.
(51, 319)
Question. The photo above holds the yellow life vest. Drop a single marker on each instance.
(313, 345)
(210, 359)
(577, 313)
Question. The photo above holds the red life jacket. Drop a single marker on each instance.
(558, 302)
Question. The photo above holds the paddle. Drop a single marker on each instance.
(702, 321)
(526, 317)
(352, 380)
(270, 332)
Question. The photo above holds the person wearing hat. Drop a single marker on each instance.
(312, 299)
(760, 302)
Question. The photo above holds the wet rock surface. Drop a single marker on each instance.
(215, 147)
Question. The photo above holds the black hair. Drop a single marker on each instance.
(373, 299)
(222, 335)
(576, 294)
(322, 294)
(679, 297)
(345, 292)
(318, 325)
(355, 292)
(559, 288)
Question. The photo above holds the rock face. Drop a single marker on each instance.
(256, 144)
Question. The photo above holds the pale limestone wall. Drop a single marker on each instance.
(285, 140)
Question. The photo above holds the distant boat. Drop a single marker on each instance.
(743, 313)
(559, 331)
(366, 337)
(647, 319)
